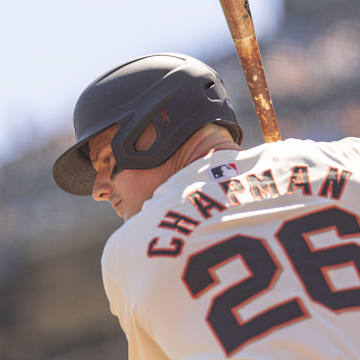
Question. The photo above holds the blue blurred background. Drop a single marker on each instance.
(52, 303)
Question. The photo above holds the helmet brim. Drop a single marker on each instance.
(73, 171)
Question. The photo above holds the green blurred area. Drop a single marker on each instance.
(52, 301)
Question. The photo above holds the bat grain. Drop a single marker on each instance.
(241, 26)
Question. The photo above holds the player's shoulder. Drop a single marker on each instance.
(296, 142)
(132, 228)
(348, 145)
(127, 239)
(308, 144)
(344, 151)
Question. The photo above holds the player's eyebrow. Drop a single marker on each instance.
(106, 149)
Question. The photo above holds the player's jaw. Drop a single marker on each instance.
(116, 204)
(127, 190)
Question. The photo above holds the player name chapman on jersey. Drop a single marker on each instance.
(259, 187)
(245, 255)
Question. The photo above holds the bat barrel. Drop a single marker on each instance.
(238, 17)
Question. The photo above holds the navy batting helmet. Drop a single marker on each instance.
(138, 93)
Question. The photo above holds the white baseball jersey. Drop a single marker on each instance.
(245, 255)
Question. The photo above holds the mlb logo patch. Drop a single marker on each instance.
(224, 171)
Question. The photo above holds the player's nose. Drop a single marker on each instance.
(102, 189)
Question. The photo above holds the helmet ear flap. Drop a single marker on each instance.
(136, 140)
(147, 138)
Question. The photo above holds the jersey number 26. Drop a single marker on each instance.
(309, 264)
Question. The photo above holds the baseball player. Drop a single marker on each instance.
(224, 253)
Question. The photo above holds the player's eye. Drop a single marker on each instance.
(115, 169)
(107, 158)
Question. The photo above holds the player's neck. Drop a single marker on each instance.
(201, 145)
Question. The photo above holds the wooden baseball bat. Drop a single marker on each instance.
(239, 19)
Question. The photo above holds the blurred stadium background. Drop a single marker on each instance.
(52, 303)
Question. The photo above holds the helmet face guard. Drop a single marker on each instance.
(177, 93)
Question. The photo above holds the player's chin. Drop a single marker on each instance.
(127, 214)
(119, 210)
(119, 213)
